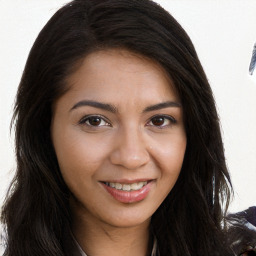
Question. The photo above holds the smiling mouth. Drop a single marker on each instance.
(127, 187)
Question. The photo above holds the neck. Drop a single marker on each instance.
(97, 238)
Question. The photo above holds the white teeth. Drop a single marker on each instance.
(127, 187)
(118, 186)
(136, 186)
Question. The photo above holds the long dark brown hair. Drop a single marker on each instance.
(36, 212)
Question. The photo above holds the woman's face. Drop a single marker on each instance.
(119, 137)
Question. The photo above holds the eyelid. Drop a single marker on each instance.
(168, 117)
(83, 120)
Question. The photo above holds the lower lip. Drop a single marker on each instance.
(128, 196)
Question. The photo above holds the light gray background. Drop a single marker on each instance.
(223, 33)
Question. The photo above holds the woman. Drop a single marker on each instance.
(118, 144)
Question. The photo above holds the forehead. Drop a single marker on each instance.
(120, 74)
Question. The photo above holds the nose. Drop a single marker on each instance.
(130, 150)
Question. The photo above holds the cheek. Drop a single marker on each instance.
(78, 156)
(170, 154)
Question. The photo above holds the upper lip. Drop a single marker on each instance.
(127, 181)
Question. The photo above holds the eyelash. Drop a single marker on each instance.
(171, 119)
(86, 119)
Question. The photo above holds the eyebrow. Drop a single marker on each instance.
(95, 104)
(113, 109)
(162, 105)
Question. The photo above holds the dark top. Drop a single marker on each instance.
(242, 232)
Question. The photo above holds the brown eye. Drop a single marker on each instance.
(94, 121)
(158, 121)
(161, 121)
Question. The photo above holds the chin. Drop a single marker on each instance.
(128, 221)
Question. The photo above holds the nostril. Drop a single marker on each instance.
(128, 158)
(129, 150)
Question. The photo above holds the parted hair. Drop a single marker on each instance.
(36, 212)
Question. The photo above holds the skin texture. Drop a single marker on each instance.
(125, 144)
